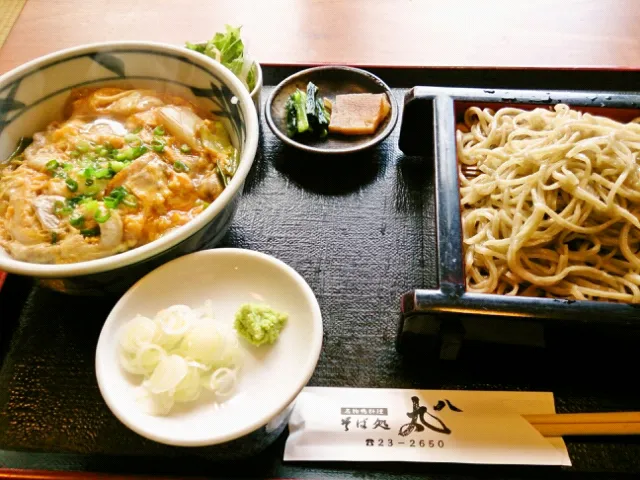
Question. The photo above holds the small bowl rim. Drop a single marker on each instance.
(375, 138)
(309, 366)
(180, 234)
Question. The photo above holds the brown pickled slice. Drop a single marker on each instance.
(358, 113)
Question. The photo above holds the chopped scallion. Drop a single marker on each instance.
(180, 166)
(92, 190)
(130, 201)
(88, 172)
(90, 205)
(76, 220)
(159, 130)
(184, 148)
(157, 145)
(116, 166)
(51, 165)
(72, 185)
(62, 208)
(116, 196)
(130, 138)
(103, 173)
(90, 232)
(83, 146)
(101, 215)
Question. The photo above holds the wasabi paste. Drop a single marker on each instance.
(259, 324)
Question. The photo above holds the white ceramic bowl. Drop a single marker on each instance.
(31, 96)
(272, 375)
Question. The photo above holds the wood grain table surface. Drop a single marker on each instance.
(429, 33)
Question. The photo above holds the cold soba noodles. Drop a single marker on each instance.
(123, 168)
(555, 210)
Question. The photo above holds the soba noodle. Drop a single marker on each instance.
(555, 210)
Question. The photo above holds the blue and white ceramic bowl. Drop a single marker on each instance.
(33, 95)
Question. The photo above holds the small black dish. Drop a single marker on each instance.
(331, 81)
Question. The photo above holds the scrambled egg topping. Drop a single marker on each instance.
(125, 167)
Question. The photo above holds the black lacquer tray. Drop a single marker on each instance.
(428, 129)
(361, 229)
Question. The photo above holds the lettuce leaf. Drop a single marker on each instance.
(228, 49)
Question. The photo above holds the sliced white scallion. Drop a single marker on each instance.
(203, 344)
(176, 320)
(167, 375)
(153, 404)
(140, 331)
(180, 352)
(130, 363)
(188, 389)
(222, 382)
(148, 358)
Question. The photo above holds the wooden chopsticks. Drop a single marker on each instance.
(567, 424)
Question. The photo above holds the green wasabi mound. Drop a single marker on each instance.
(259, 324)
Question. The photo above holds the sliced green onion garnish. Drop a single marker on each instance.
(101, 215)
(54, 238)
(116, 166)
(131, 138)
(130, 153)
(83, 146)
(138, 151)
(88, 172)
(72, 185)
(67, 167)
(123, 155)
(130, 201)
(180, 166)
(72, 202)
(90, 205)
(88, 182)
(74, 154)
(90, 232)
(76, 220)
(159, 130)
(116, 196)
(137, 130)
(62, 208)
(157, 145)
(52, 165)
(103, 173)
(184, 148)
(92, 190)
